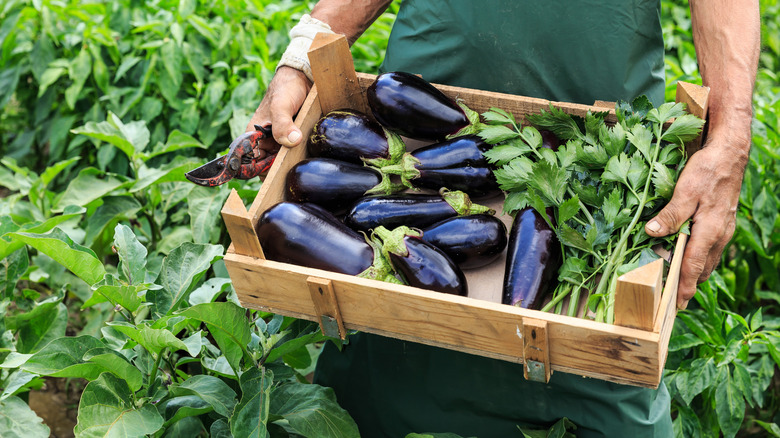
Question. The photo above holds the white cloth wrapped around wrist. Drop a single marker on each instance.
(301, 36)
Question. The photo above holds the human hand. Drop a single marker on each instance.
(282, 100)
(708, 193)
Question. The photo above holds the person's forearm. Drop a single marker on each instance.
(350, 18)
(728, 42)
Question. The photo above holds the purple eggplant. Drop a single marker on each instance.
(349, 135)
(457, 164)
(533, 258)
(308, 235)
(549, 140)
(334, 184)
(410, 106)
(412, 210)
(470, 241)
(419, 263)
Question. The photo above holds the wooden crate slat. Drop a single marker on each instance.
(460, 323)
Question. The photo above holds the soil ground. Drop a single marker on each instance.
(57, 404)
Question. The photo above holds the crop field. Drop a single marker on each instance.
(117, 313)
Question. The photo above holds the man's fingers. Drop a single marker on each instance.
(701, 255)
(671, 217)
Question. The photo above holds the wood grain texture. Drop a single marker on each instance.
(696, 100)
(334, 73)
(240, 227)
(465, 324)
(535, 347)
(325, 304)
(638, 295)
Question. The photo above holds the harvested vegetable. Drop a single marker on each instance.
(532, 260)
(335, 184)
(470, 241)
(419, 263)
(412, 107)
(457, 164)
(308, 235)
(349, 135)
(602, 184)
(412, 210)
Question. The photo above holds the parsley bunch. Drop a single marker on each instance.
(602, 184)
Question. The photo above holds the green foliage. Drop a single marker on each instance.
(631, 161)
(105, 105)
(103, 108)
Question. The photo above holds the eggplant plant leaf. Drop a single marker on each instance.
(107, 408)
(229, 326)
(211, 389)
(181, 270)
(132, 255)
(311, 410)
(36, 328)
(17, 420)
(250, 418)
(59, 246)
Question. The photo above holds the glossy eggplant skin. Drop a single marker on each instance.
(427, 267)
(550, 140)
(470, 241)
(329, 183)
(457, 152)
(412, 107)
(477, 182)
(308, 235)
(391, 211)
(533, 258)
(348, 135)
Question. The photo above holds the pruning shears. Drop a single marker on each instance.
(240, 161)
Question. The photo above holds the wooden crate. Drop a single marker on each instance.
(633, 353)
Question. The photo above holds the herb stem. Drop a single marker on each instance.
(606, 279)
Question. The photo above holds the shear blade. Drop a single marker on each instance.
(210, 174)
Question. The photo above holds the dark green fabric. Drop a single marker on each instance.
(392, 388)
(575, 51)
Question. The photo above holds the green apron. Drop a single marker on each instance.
(577, 51)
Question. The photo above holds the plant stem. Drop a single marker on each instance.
(619, 248)
(153, 374)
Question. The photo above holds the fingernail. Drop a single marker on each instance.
(654, 226)
(682, 305)
(294, 136)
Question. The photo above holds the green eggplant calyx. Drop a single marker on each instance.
(461, 203)
(385, 187)
(381, 269)
(393, 241)
(395, 151)
(406, 168)
(474, 125)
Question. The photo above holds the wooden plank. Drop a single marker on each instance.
(324, 299)
(334, 73)
(240, 227)
(696, 100)
(481, 101)
(586, 347)
(638, 295)
(665, 320)
(536, 350)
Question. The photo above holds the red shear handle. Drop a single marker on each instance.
(240, 161)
